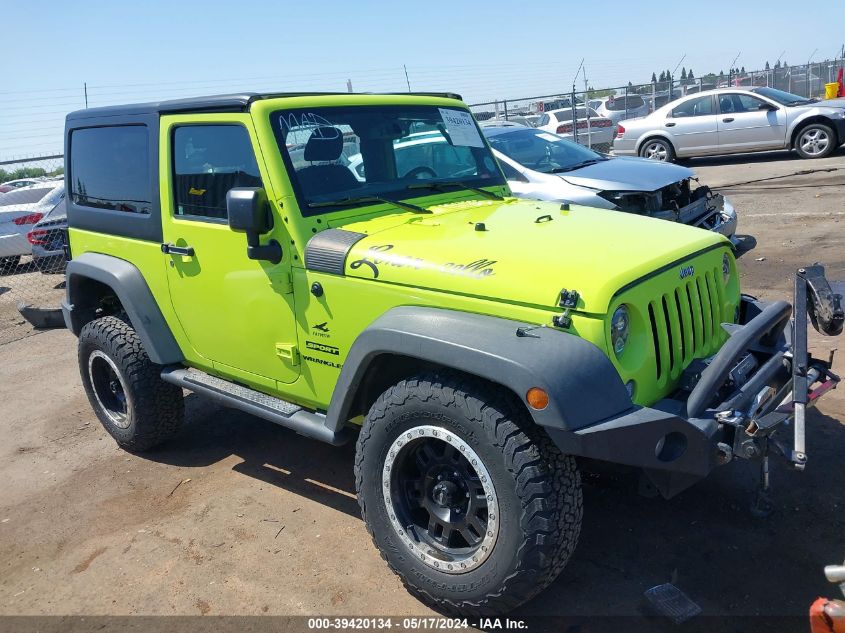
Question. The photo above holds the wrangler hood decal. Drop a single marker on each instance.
(520, 251)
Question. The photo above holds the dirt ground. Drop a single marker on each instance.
(238, 516)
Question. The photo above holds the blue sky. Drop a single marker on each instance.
(138, 51)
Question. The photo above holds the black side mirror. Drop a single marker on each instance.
(249, 213)
(769, 107)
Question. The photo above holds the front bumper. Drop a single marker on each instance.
(713, 213)
(735, 404)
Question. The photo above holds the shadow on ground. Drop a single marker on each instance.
(757, 157)
(705, 540)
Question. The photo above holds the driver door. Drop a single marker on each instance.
(743, 126)
(237, 313)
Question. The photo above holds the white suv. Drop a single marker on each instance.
(620, 108)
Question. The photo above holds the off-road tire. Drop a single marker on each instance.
(668, 149)
(538, 489)
(819, 128)
(155, 410)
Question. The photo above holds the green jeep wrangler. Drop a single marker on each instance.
(474, 343)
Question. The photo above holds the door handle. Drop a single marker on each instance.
(172, 249)
(728, 119)
(670, 124)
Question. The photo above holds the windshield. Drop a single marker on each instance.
(781, 96)
(343, 154)
(543, 151)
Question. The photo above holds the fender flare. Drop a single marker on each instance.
(130, 287)
(583, 385)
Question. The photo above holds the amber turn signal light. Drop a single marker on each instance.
(537, 398)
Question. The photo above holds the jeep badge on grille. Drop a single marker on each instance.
(687, 271)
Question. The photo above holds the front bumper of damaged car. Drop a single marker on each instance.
(745, 402)
(710, 211)
(714, 213)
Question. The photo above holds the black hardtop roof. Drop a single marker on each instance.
(219, 103)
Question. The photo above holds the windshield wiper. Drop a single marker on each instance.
(349, 201)
(440, 185)
(585, 163)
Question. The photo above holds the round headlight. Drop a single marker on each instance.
(619, 329)
(726, 268)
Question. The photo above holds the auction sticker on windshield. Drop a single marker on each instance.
(462, 129)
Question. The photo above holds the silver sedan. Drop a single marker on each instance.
(733, 120)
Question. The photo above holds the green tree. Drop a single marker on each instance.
(767, 65)
(684, 74)
(690, 76)
(653, 78)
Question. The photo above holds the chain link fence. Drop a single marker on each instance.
(33, 234)
(583, 115)
(33, 223)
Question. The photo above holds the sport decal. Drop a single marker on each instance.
(381, 255)
(322, 347)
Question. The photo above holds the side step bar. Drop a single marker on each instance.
(307, 423)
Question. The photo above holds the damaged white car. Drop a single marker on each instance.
(540, 165)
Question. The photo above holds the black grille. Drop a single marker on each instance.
(686, 323)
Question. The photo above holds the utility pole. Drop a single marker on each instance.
(587, 110)
(672, 74)
(407, 81)
(810, 75)
(85, 90)
(572, 102)
(731, 71)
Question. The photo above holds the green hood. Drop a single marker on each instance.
(520, 251)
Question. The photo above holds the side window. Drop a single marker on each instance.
(746, 103)
(702, 106)
(109, 168)
(208, 160)
(737, 103)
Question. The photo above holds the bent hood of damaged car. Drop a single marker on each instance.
(522, 252)
(627, 174)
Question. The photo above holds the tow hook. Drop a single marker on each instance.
(749, 445)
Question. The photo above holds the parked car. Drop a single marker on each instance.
(733, 120)
(533, 119)
(19, 211)
(49, 240)
(544, 166)
(659, 99)
(518, 121)
(502, 123)
(11, 185)
(556, 104)
(619, 108)
(595, 131)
